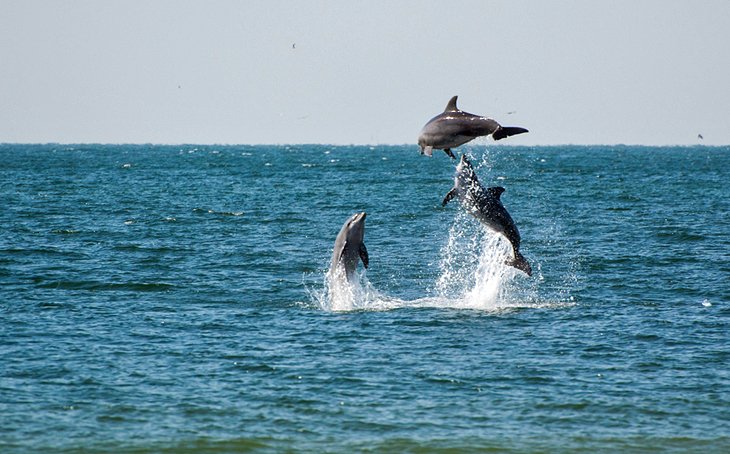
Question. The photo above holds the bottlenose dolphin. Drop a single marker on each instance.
(349, 246)
(455, 127)
(485, 205)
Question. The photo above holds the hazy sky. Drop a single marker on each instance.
(341, 72)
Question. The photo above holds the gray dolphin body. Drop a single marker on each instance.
(349, 246)
(485, 205)
(455, 127)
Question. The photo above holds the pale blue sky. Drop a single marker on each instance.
(584, 72)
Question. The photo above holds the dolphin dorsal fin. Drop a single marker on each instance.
(496, 191)
(451, 106)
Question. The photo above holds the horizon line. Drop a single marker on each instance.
(231, 144)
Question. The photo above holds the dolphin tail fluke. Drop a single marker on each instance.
(506, 131)
(521, 263)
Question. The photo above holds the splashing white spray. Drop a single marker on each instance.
(473, 270)
(342, 294)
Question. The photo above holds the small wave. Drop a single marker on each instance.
(43, 251)
(133, 247)
(107, 286)
(219, 213)
(65, 231)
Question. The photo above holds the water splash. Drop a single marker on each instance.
(473, 274)
(342, 294)
(473, 270)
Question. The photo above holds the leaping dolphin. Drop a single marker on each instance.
(455, 127)
(485, 205)
(349, 246)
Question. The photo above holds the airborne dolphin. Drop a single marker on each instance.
(349, 246)
(485, 205)
(455, 127)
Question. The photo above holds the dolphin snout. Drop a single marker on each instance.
(464, 164)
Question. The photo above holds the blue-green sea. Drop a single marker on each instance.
(173, 299)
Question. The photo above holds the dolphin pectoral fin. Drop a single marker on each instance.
(506, 131)
(428, 151)
(363, 251)
(449, 196)
(496, 191)
(342, 251)
(449, 152)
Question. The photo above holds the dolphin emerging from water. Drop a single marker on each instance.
(349, 246)
(455, 127)
(485, 205)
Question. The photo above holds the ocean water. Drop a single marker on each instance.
(174, 299)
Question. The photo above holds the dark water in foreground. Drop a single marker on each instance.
(172, 299)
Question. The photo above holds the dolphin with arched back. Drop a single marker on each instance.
(454, 127)
(485, 205)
